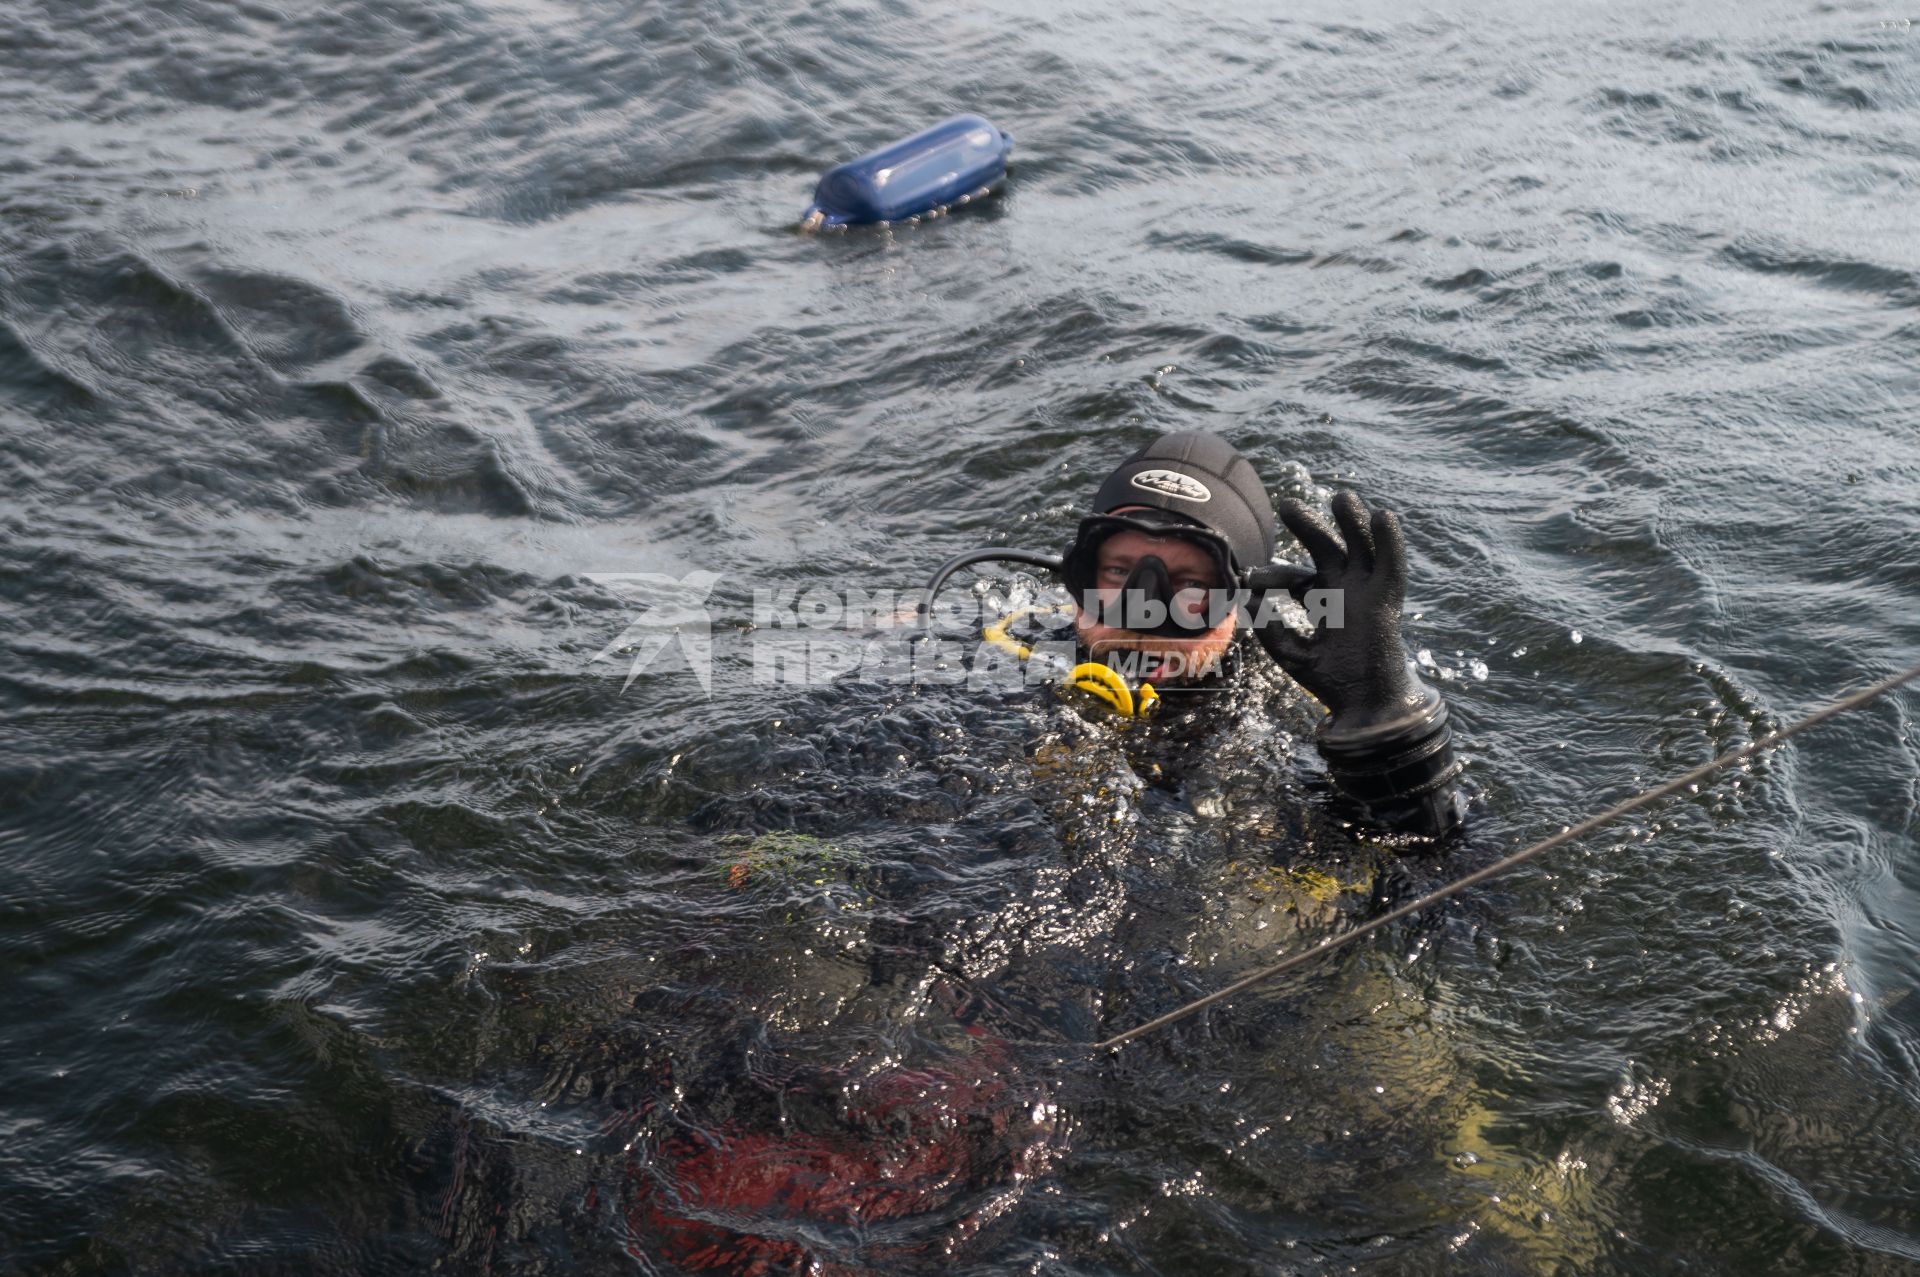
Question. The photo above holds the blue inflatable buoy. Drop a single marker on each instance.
(955, 162)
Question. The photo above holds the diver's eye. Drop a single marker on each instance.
(1196, 583)
(1115, 572)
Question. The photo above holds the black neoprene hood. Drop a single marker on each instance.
(1202, 477)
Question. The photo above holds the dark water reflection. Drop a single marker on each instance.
(356, 919)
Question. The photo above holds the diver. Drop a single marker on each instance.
(1173, 567)
(769, 1159)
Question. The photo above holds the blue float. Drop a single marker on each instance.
(955, 162)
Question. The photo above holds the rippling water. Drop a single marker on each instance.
(354, 918)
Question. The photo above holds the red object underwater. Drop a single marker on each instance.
(921, 1160)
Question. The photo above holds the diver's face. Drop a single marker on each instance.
(1193, 573)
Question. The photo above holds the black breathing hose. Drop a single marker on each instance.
(1033, 558)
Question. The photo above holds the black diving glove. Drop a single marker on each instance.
(1385, 738)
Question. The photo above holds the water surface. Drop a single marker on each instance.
(355, 919)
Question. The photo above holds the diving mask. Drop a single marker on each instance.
(1149, 600)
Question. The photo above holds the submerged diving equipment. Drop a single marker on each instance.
(1689, 781)
(957, 161)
